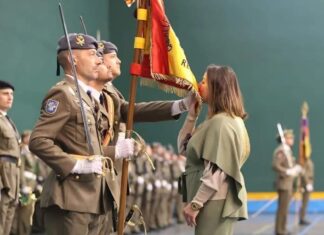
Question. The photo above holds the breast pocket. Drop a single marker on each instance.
(80, 132)
(8, 139)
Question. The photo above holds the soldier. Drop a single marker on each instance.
(9, 160)
(28, 184)
(145, 111)
(284, 165)
(75, 194)
(181, 163)
(307, 184)
(117, 107)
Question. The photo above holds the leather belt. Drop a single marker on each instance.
(5, 158)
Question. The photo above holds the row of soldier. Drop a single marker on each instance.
(81, 193)
(155, 191)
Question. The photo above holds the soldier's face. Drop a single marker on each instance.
(105, 73)
(203, 89)
(6, 99)
(87, 63)
(111, 60)
(289, 140)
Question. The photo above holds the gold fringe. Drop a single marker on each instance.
(167, 88)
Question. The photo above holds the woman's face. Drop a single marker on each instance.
(203, 88)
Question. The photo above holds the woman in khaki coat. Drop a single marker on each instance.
(216, 150)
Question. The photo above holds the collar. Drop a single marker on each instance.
(95, 93)
(3, 113)
(84, 86)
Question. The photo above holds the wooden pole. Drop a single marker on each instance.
(129, 126)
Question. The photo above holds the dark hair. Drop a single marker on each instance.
(224, 94)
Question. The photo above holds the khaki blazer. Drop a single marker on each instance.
(280, 165)
(154, 111)
(59, 133)
(9, 146)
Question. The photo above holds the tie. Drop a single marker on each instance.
(101, 99)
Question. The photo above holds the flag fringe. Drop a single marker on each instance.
(167, 88)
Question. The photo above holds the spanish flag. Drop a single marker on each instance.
(164, 63)
(305, 148)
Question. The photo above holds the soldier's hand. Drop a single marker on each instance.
(294, 171)
(309, 188)
(86, 166)
(124, 148)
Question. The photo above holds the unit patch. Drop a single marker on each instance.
(51, 106)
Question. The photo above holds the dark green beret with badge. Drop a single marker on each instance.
(78, 41)
(105, 47)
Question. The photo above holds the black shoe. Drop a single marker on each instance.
(304, 222)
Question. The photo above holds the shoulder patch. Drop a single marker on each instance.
(51, 106)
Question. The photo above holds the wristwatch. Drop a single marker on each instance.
(195, 206)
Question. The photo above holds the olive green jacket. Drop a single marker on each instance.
(222, 140)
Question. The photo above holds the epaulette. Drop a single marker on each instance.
(60, 83)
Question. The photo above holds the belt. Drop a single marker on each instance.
(5, 158)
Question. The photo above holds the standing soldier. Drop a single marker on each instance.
(307, 179)
(9, 159)
(284, 165)
(75, 194)
(28, 184)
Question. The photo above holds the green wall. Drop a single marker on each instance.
(276, 48)
(29, 31)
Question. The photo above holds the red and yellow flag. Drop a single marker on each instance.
(164, 63)
(305, 148)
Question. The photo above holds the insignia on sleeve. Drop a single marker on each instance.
(51, 106)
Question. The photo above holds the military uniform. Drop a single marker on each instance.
(58, 134)
(9, 168)
(284, 186)
(28, 182)
(42, 171)
(307, 184)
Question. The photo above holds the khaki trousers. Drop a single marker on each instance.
(284, 197)
(63, 222)
(303, 209)
(7, 212)
(23, 219)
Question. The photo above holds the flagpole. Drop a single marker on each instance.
(301, 160)
(138, 50)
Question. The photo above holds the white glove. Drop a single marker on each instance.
(124, 147)
(309, 188)
(183, 105)
(26, 190)
(86, 166)
(294, 171)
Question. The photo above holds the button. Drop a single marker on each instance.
(98, 176)
(77, 177)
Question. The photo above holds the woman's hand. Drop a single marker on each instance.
(195, 107)
(190, 215)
